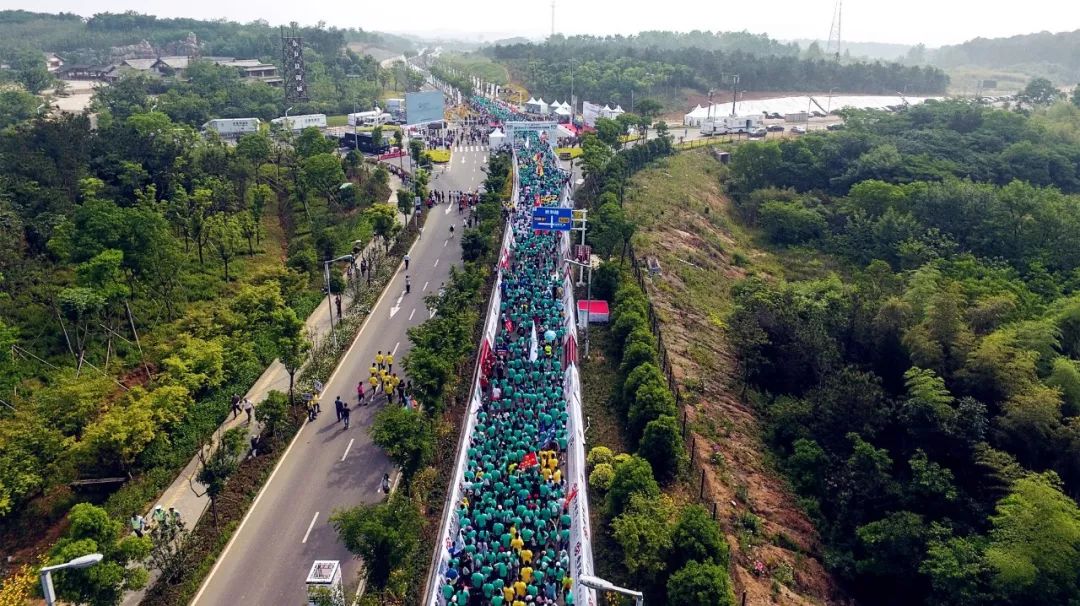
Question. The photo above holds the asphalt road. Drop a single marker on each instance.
(328, 467)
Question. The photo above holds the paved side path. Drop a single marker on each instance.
(181, 494)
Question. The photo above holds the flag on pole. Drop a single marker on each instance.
(533, 344)
(570, 495)
(570, 351)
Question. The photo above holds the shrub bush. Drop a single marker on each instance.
(602, 477)
(599, 455)
(662, 446)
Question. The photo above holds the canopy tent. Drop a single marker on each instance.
(496, 140)
(695, 116)
(611, 113)
(532, 106)
(544, 107)
(561, 110)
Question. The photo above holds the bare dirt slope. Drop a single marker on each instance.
(684, 222)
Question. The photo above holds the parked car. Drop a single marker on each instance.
(775, 128)
(758, 133)
(836, 126)
(799, 129)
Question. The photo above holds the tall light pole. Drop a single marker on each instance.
(734, 85)
(85, 561)
(329, 294)
(601, 585)
(588, 297)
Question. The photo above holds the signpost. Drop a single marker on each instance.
(548, 218)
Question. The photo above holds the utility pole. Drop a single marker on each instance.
(552, 18)
(734, 94)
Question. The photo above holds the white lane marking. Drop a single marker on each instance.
(445, 242)
(247, 516)
(425, 286)
(394, 353)
(413, 313)
(347, 450)
(448, 206)
(397, 305)
(310, 526)
(436, 263)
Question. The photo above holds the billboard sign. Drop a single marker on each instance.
(423, 107)
(590, 112)
(551, 218)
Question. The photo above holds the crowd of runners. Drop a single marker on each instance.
(512, 547)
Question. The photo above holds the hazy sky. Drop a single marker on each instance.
(933, 22)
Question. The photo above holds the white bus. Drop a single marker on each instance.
(371, 118)
(302, 121)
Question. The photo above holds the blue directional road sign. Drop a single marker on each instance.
(551, 218)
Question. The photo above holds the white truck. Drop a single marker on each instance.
(371, 118)
(301, 122)
(232, 127)
(727, 125)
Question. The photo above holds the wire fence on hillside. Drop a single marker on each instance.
(697, 465)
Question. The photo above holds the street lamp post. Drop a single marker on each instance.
(329, 294)
(45, 573)
(588, 297)
(601, 585)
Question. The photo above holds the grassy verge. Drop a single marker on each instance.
(599, 378)
(575, 152)
(438, 156)
(210, 538)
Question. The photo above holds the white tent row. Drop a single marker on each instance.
(538, 106)
(792, 105)
(611, 112)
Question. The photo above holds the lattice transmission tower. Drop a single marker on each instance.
(833, 46)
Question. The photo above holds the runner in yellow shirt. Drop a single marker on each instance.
(389, 359)
(379, 358)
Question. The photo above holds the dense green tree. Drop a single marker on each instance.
(632, 476)
(385, 534)
(662, 446)
(15, 106)
(406, 435)
(698, 538)
(290, 343)
(91, 530)
(1034, 545)
(1039, 91)
(700, 584)
(644, 531)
